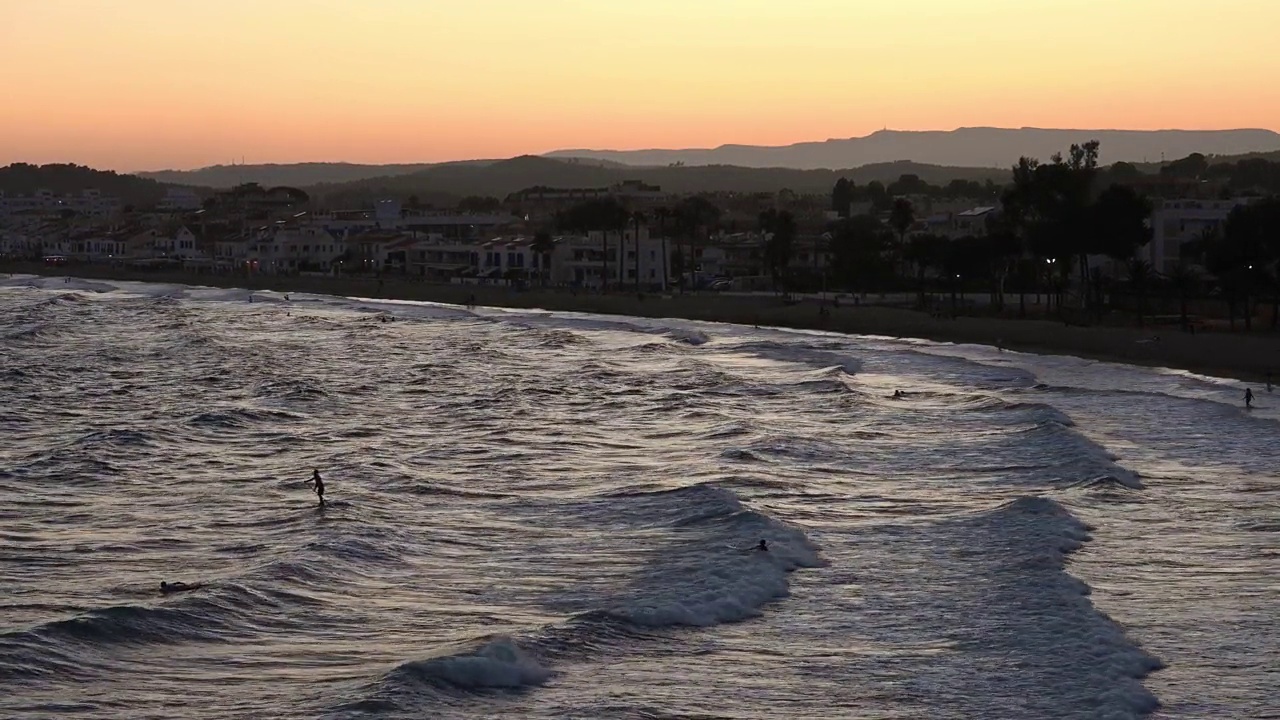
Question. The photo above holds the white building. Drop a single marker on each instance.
(1176, 222)
(389, 215)
(89, 202)
(293, 249)
(179, 199)
(583, 261)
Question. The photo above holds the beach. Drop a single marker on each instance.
(1245, 356)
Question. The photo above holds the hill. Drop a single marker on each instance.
(292, 174)
(25, 179)
(439, 182)
(972, 147)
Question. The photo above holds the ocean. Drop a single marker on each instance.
(554, 515)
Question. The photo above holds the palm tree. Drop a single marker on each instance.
(1139, 274)
(543, 245)
(1184, 279)
(901, 217)
(925, 251)
(662, 214)
(637, 217)
(695, 214)
(780, 231)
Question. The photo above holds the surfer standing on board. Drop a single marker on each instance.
(1248, 398)
(315, 478)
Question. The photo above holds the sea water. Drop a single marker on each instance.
(551, 515)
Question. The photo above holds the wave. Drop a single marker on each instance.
(290, 389)
(707, 573)
(1039, 618)
(239, 418)
(69, 646)
(687, 337)
(821, 356)
(498, 663)
(38, 331)
(135, 438)
(1123, 482)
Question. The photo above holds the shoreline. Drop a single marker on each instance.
(1240, 356)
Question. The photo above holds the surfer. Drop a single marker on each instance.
(315, 478)
(763, 546)
(899, 394)
(167, 587)
(1248, 398)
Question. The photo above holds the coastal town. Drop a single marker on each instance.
(1163, 231)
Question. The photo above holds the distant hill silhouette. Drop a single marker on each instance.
(25, 179)
(499, 179)
(292, 174)
(972, 147)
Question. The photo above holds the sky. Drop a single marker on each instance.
(152, 84)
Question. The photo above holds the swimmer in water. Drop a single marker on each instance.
(167, 587)
(763, 546)
(899, 394)
(315, 478)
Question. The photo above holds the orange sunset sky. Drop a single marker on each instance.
(150, 84)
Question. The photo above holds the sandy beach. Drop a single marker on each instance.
(1248, 357)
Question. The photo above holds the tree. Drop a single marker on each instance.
(1192, 167)
(842, 197)
(1049, 207)
(479, 204)
(695, 215)
(543, 245)
(663, 213)
(637, 218)
(901, 217)
(1139, 276)
(878, 197)
(858, 248)
(603, 215)
(1184, 280)
(779, 228)
(1123, 172)
(910, 185)
(1120, 223)
(924, 252)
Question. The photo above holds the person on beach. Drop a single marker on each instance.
(1248, 398)
(315, 479)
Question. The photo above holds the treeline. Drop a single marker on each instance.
(1051, 220)
(63, 179)
(1048, 225)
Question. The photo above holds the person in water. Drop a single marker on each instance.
(1248, 397)
(167, 587)
(763, 546)
(899, 394)
(1268, 381)
(315, 478)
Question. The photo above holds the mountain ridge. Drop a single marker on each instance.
(984, 147)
